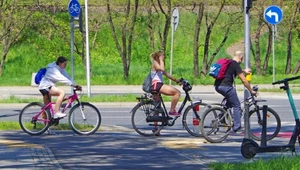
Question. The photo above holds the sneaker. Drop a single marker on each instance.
(154, 130)
(174, 113)
(59, 115)
(238, 130)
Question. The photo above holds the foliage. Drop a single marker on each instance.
(47, 36)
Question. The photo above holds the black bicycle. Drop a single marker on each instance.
(217, 121)
(149, 117)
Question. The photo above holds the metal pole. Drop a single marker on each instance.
(72, 50)
(273, 49)
(171, 57)
(87, 50)
(247, 64)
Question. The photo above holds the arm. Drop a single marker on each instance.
(170, 77)
(57, 76)
(246, 83)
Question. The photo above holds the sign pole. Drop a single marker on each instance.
(174, 23)
(72, 51)
(87, 49)
(74, 11)
(273, 15)
(171, 55)
(273, 49)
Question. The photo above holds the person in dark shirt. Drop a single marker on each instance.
(226, 87)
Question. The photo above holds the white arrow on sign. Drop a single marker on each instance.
(270, 14)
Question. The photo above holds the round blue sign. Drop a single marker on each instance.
(273, 14)
(74, 8)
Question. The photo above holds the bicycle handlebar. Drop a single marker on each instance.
(286, 80)
(186, 85)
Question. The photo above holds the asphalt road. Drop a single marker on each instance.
(121, 147)
(115, 114)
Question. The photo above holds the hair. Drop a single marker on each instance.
(156, 55)
(61, 59)
(239, 54)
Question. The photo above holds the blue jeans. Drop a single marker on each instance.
(230, 94)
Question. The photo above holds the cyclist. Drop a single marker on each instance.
(226, 87)
(56, 73)
(157, 70)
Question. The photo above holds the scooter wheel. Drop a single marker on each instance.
(248, 150)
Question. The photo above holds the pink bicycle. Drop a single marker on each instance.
(84, 118)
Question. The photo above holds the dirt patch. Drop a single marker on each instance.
(19, 144)
(183, 143)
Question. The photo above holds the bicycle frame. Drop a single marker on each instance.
(186, 99)
(49, 106)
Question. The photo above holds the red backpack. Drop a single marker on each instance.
(218, 69)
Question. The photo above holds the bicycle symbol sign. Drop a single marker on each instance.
(74, 8)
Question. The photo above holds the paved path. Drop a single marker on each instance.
(20, 151)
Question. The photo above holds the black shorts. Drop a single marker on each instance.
(156, 87)
(45, 91)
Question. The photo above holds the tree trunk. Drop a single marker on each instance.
(196, 38)
(268, 53)
(164, 36)
(125, 48)
(297, 67)
(257, 47)
(207, 39)
(289, 40)
(150, 28)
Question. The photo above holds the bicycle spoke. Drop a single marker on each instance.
(141, 119)
(84, 120)
(192, 117)
(31, 122)
(214, 126)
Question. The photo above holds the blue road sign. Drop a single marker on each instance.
(273, 14)
(74, 8)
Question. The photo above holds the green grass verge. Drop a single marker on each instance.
(280, 163)
(13, 125)
(98, 98)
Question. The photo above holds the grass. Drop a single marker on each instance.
(280, 163)
(97, 98)
(295, 89)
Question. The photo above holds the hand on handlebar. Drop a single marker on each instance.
(77, 87)
(253, 93)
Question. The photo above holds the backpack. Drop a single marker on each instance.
(218, 69)
(39, 75)
(147, 83)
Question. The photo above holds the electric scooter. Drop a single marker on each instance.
(250, 148)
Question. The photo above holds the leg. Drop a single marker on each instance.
(54, 91)
(171, 91)
(232, 98)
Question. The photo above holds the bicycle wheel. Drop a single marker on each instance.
(140, 113)
(215, 124)
(273, 124)
(192, 116)
(84, 118)
(31, 124)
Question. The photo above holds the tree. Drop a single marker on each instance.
(200, 12)
(291, 26)
(256, 48)
(127, 30)
(13, 18)
(207, 61)
(160, 9)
